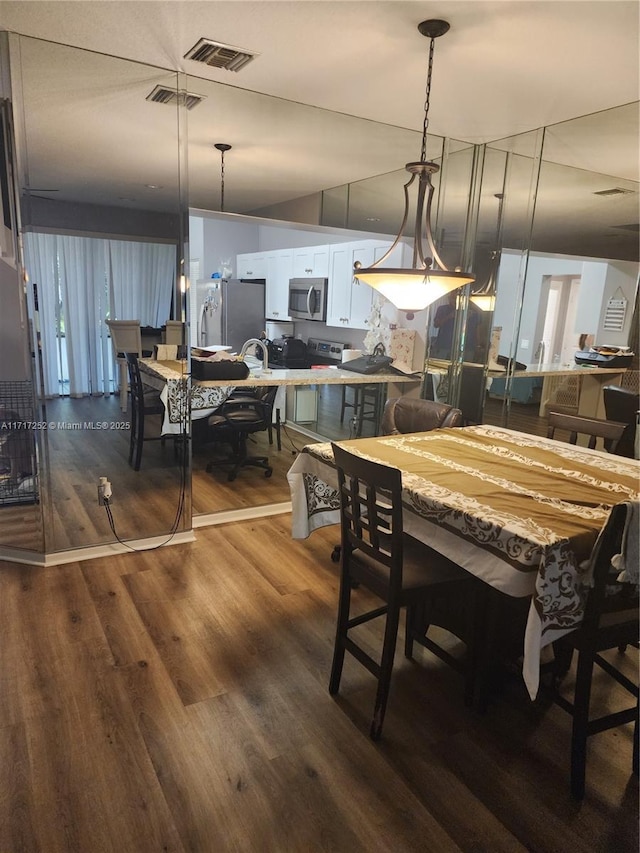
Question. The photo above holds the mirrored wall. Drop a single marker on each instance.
(116, 152)
(100, 212)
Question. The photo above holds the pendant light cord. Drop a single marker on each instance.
(425, 123)
(222, 147)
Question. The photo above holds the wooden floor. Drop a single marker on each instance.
(176, 700)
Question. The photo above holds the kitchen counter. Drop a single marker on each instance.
(300, 376)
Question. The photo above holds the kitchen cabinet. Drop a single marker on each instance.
(311, 262)
(349, 303)
(279, 271)
(251, 265)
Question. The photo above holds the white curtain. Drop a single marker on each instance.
(88, 280)
(83, 286)
(141, 281)
(42, 294)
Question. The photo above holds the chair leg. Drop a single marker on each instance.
(139, 439)
(635, 741)
(343, 404)
(579, 732)
(278, 435)
(386, 668)
(342, 626)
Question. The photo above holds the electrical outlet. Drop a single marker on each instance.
(104, 491)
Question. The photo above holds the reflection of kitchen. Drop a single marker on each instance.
(282, 295)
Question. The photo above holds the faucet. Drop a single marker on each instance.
(265, 352)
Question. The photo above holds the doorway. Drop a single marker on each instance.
(557, 318)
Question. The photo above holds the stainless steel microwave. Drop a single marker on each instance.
(308, 298)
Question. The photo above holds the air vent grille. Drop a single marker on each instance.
(163, 95)
(219, 55)
(614, 191)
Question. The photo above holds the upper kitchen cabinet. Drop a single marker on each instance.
(350, 301)
(312, 262)
(252, 265)
(279, 271)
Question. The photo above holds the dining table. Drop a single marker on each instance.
(520, 512)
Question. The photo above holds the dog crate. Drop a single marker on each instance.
(18, 483)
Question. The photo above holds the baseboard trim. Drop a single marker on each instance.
(109, 549)
(76, 555)
(245, 514)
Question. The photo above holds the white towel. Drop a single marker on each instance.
(627, 562)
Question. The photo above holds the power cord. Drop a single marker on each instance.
(183, 437)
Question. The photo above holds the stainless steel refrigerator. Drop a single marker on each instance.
(229, 312)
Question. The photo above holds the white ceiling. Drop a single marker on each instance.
(504, 68)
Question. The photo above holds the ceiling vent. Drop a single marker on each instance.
(164, 95)
(614, 191)
(219, 55)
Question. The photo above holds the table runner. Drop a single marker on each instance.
(519, 511)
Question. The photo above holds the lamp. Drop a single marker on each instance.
(485, 297)
(428, 278)
(222, 147)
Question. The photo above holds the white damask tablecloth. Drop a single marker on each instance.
(183, 399)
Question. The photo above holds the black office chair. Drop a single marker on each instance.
(622, 405)
(234, 421)
(610, 621)
(610, 431)
(144, 401)
(378, 555)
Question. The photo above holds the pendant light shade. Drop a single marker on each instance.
(414, 288)
(485, 297)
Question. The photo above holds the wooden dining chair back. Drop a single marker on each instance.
(610, 431)
(174, 332)
(125, 337)
(623, 405)
(378, 555)
(610, 622)
(143, 402)
(410, 414)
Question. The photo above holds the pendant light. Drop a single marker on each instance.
(222, 148)
(485, 297)
(428, 278)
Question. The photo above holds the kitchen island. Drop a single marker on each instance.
(177, 387)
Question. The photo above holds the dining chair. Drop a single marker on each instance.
(378, 555)
(622, 405)
(411, 414)
(125, 337)
(366, 402)
(610, 431)
(143, 403)
(610, 622)
(234, 421)
(174, 332)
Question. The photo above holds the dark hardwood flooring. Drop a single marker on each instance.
(176, 700)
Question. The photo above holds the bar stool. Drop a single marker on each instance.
(365, 404)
